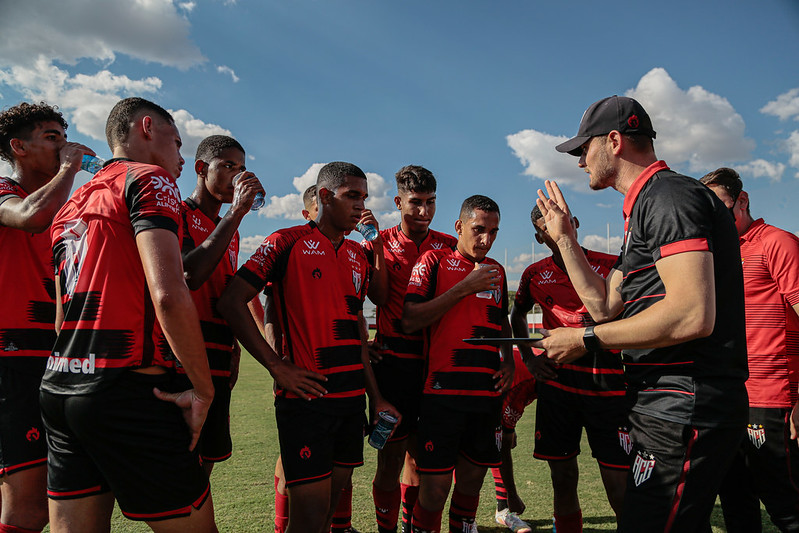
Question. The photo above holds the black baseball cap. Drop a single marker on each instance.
(619, 113)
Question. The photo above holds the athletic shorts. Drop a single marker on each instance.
(312, 443)
(125, 440)
(675, 475)
(444, 433)
(22, 439)
(403, 390)
(560, 419)
(215, 444)
(765, 468)
(514, 402)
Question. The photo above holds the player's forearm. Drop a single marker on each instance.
(35, 213)
(419, 315)
(520, 328)
(258, 314)
(378, 285)
(238, 316)
(590, 286)
(200, 263)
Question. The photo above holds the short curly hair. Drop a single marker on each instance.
(213, 145)
(19, 121)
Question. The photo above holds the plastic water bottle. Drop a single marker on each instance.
(385, 425)
(368, 231)
(91, 164)
(258, 202)
(485, 294)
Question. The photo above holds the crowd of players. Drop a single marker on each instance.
(125, 307)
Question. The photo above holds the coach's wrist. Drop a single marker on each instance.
(590, 340)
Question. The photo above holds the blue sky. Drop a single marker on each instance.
(478, 92)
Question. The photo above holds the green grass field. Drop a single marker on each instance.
(242, 487)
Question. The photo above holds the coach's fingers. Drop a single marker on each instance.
(556, 195)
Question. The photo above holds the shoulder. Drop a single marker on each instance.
(778, 239)
(446, 238)
(599, 258)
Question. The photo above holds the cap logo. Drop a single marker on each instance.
(633, 121)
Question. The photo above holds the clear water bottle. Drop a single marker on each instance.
(259, 200)
(485, 294)
(368, 231)
(91, 164)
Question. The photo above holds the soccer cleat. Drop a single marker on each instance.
(512, 521)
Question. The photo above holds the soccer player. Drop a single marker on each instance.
(519, 396)
(766, 467)
(319, 280)
(678, 287)
(124, 314)
(458, 294)
(33, 140)
(587, 393)
(399, 361)
(210, 250)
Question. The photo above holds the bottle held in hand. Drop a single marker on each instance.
(368, 231)
(91, 164)
(259, 200)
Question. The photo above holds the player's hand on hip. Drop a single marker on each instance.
(193, 407)
(562, 345)
(303, 383)
(503, 377)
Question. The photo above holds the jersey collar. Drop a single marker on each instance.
(753, 229)
(638, 184)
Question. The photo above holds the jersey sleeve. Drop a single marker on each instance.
(782, 251)
(678, 219)
(264, 265)
(7, 190)
(153, 201)
(505, 300)
(421, 284)
(524, 298)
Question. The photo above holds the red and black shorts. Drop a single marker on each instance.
(445, 433)
(515, 401)
(560, 419)
(22, 436)
(313, 442)
(125, 440)
(215, 444)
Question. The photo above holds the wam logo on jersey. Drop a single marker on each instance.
(395, 247)
(624, 440)
(312, 248)
(546, 277)
(436, 245)
(453, 265)
(643, 466)
(357, 279)
(757, 434)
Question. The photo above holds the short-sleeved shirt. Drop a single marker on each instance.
(459, 373)
(27, 314)
(698, 382)
(401, 253)
(216, 332)
(109, 323)
(318, 291)
(596, 374)
(771, 287)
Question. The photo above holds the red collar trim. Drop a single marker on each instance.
(638, 184)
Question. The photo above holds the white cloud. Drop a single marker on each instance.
(223, 69)
(5, 169)
(150, 30)
(192, 131)
(760, 168)
(785, 106)
(248, 245)
(694, 127)
(187, 6)
(792, 145)
(602, 244)
(522, 261)
(536, 150)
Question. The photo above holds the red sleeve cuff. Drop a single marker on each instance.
(690, 245)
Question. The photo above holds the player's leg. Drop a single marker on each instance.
(340, 515)
(309, 506)
(347, 439)
(386, 490)
(281, 499)
(199, 520)
(24, 498)
(466, 495)
(409, 483)
(91, 514)
(739, 502)
(615, 482)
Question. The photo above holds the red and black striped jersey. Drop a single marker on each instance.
(401, 254)
(771, 288)
(318, 292)
(457, 370)
(217, 334)
(109, 323)
(27, 316)
(698, 382)
(598, 374)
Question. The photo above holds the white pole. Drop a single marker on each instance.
(608, 242)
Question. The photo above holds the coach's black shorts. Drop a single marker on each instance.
(215, 444)
(402, 388)
(675, 475)
(125, 440)
(444, 433)
(560, 419)
(312, 442)
(22, 440)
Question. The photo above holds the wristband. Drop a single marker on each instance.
(590, 340)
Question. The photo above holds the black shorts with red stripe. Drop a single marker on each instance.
(675, 475)
(215, 444)
(313, 442)
(22, 441)
(125, 440)
(560, 419)
(446, 432)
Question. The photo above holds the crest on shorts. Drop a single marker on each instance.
(643, 466)
(624, 440)
(356, 281)
(32, 434)
(757, 434)
(305, 453)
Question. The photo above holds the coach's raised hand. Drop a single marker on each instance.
(556, 213)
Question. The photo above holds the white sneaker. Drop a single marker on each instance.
(512, 521)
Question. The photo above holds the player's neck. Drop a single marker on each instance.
(330, 231)
(30, 179)
(417, 237)
(206, 203)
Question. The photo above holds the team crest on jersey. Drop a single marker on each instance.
(436, 245)
(312, 248)
(417, 274)
(357, 280)
(453, 265)
(643, 466)
(546, 277)
(624, 440)
(757, 434)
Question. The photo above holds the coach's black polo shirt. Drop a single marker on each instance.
(700, 382)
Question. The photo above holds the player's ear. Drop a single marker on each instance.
(458, 227)
(17, 146)
(576, 222)
(398, 202)
(325, 195)
(200, 167)
(306, 214)
(743, 197)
